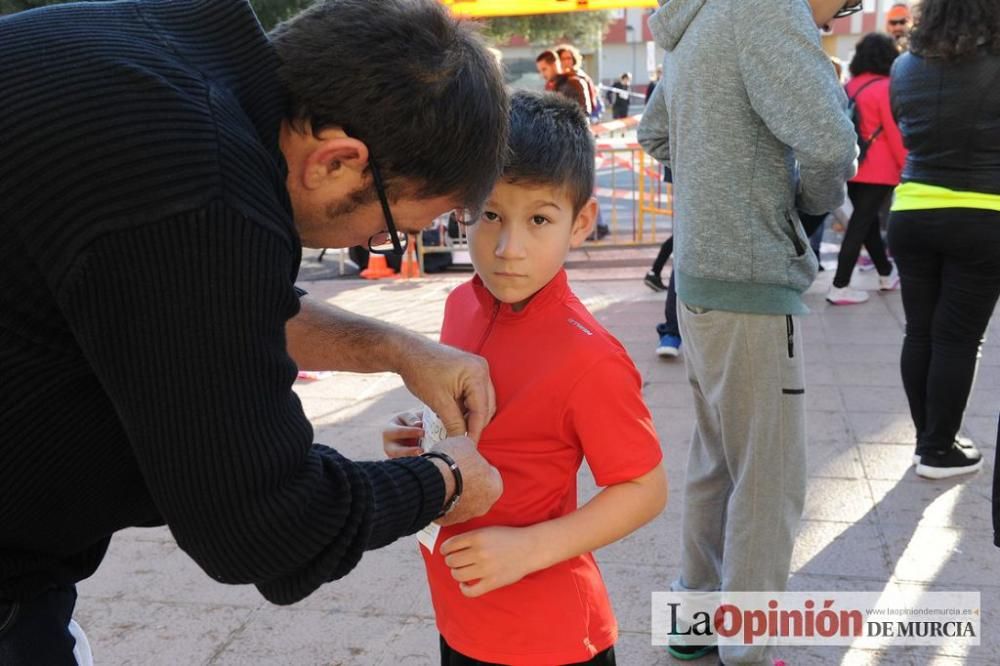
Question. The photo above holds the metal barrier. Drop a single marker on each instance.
(646, 195)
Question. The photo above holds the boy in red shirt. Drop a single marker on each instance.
(519, 585)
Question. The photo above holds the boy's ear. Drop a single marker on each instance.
(584, 223)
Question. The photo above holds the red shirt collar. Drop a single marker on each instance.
(554, 292)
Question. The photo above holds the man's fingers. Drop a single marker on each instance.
(402, 434)
(394, 450)
(480, 412)
(452, 419)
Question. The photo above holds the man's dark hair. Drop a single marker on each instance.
(548, 55)
(874, 54)
(550, 144)
(417, 86)
(956, 30)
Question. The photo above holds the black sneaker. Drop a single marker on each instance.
(654, 281)
(961, 458)
(960, 442)
(690, 652)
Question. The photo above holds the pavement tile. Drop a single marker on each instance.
(838, 499)
(875, 399)
(931, 503)
(280, 636)
(883, 427)
(875, 373)
(943, 555)
(159, 571)
(840, 549)
(141, 633)
(833, 460)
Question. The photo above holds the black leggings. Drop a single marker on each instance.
(949, 266)
(449, 657)
(863, 229)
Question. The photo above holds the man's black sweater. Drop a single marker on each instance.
(147, 262)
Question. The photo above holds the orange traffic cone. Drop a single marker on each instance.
(377, 268)
(410, 268)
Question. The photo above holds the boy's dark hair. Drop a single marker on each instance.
(956, 30)
(550, 144)
(417, 86)
(874, 54)
(548, 55)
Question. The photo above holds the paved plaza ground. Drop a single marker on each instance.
(870, 523)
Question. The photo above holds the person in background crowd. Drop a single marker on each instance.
(897, 24)
(619, 97)
(881, 163)
(944, 228)
(653, 81)
(572, 66)
(745, 148)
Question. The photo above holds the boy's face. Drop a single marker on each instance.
(521, 241)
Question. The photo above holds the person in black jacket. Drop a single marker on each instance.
(162, 163)
(618, 97)
(944, 230)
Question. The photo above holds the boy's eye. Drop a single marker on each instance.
(539, 220)
(490, 216)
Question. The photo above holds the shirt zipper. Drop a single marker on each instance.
(489, 329)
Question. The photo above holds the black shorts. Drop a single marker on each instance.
(450, 657)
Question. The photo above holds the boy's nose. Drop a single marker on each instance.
(510, 244)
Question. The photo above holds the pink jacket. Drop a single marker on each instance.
(886, 155)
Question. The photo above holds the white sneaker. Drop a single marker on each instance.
(81, 651)
(846, 296)
(889, 282)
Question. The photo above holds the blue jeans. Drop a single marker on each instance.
(669, 325)
(36, 631)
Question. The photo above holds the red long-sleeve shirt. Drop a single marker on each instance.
(566, 390)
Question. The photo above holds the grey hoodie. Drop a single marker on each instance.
(752, 120)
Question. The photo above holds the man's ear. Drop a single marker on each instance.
(332, 157)
(584, 223)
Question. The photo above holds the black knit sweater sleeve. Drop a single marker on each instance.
(183, 322)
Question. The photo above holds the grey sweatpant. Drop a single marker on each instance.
(746, 473)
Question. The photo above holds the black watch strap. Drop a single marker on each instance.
(455, 472)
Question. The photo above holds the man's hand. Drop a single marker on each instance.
(454, 384)
(490, 558)
(482, 483)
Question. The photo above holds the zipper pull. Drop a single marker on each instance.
(791, 336)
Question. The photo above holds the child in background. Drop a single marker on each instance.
(519, 585)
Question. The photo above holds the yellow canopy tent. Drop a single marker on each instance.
(485, 8)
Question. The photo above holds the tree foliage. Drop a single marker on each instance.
(581, 28)
(270, 12)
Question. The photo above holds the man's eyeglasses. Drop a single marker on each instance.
(393, 241)
(389, 241)
(899, 21)
(849, 9)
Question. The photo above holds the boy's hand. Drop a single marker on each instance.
(490, 558)
(401, 438)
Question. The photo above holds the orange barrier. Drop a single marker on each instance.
(377, 268)
(411, 266)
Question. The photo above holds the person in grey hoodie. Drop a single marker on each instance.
(753, 123)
